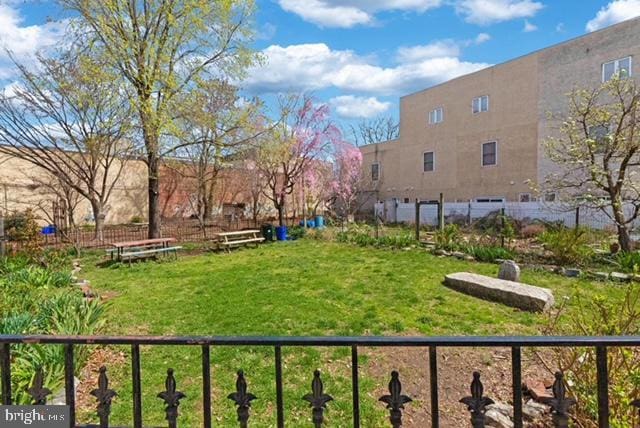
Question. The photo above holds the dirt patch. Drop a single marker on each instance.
(455, 368)
(86, 403)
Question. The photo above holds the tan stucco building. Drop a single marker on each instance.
(479, 137)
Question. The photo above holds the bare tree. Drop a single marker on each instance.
(69, 119)
(217, 127)
(597, 154)
(374, 131)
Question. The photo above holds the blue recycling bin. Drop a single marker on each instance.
(49, 230)
(319, 221)
(281, 233)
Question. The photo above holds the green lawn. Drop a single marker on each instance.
(296, 288)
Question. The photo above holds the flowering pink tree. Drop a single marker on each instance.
(347, 177)
(304, 135)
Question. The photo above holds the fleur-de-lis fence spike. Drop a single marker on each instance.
(37, 391)
(477, 403)
(104, 395)
(171, 399)
(560, 404)
(395, 401)
(317, 400)
(242, 399)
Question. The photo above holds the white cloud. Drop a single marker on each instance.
(316, 66)
(529, 27)
(352, 107)
(24, 41)
(433, 50)
(485, 12)
(616, 11)
(482, 38)
(349, 13)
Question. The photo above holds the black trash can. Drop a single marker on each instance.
(268, 232)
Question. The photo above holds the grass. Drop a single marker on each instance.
(298, 288)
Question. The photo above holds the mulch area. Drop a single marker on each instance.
(455, 368)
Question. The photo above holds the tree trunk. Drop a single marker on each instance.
(99, 216)
(154, 196)
(280, 208)
(624, 239)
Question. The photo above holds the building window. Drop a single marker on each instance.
(599, 134)
(550, 197)
(490, 200)
(490, 153)
(481, 104)
(406, 200)
(375, 171)
(620, 67)
(525, 197)
(428, 161)
(436, 116)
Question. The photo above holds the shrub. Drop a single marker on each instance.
(599, 316)
(297, 232)
(567, 245)
(629, 262)
(23, 227)
(489, 254)
(448, 238)
(532, 231)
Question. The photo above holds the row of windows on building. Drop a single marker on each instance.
(620, 67)
(522, 197)
(478, 105)
(489, 158)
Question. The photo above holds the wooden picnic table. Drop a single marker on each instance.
(144, 243)
(227, 240)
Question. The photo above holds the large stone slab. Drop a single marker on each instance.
(517, 295)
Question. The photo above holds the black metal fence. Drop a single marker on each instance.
(318, 399)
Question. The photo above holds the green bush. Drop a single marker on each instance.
(567, 245)
(297, 232)
(489, 254)
(363, 236)
(628, 262)
(449, 238)
(42, 300)
(598, 316)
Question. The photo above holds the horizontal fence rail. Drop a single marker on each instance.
(319, 399)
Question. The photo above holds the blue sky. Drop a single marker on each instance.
(362, 55)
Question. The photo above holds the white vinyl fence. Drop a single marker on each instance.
(392, 211)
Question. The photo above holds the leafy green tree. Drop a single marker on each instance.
(162, 48)
(597, 153)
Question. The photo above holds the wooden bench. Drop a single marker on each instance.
(146, 253)
(122, 251)
(228, 240)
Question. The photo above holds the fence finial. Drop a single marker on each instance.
(395, 400)
(477, 403)
(242, 399)
(317, 399)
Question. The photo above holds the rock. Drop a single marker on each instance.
(59, 398)
(458, 254)
(504, 408)
(614, 248)
(537, 389)
(509, 271)
(440, 252)
(521, 296)
(622, 277)
(572, 273)
(494, 418)
(603, 276)
(533, 411)
(470, 258)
